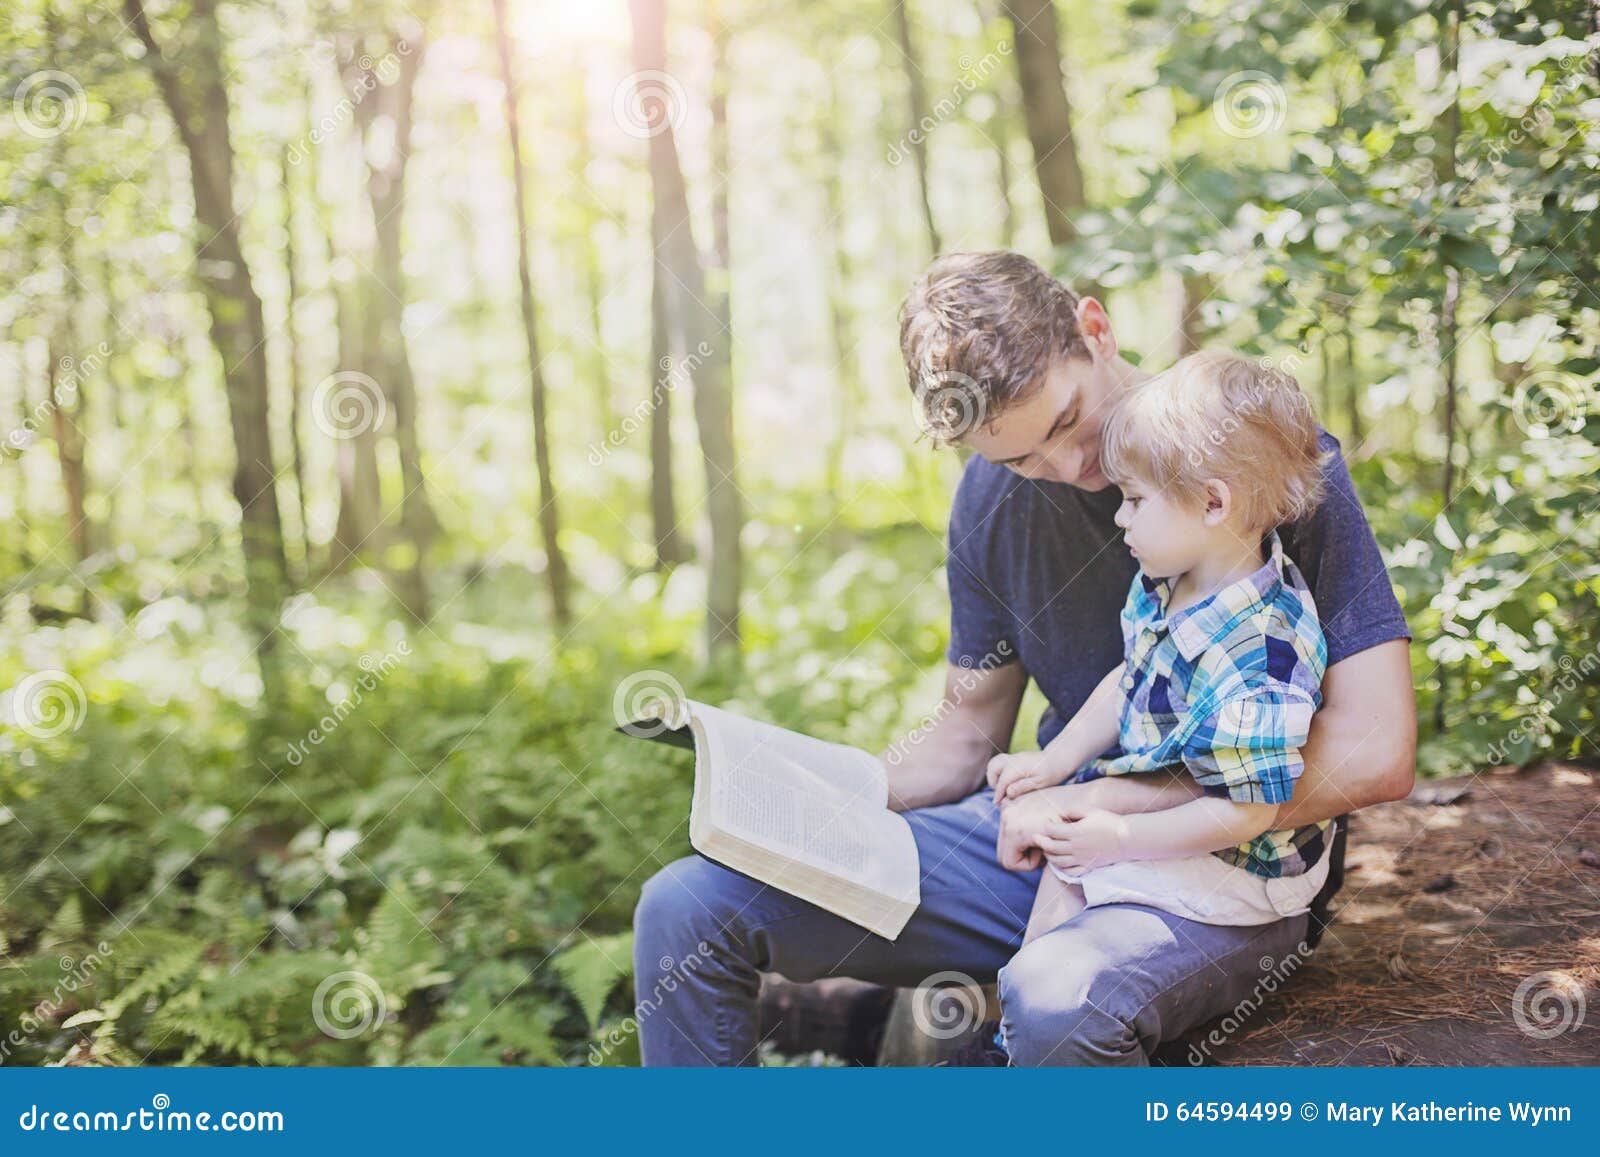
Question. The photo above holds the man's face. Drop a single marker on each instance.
(1054, 436)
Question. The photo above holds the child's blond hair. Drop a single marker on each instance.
(1220, 415)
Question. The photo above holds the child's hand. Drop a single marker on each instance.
(1084, 839)
(1014, 776)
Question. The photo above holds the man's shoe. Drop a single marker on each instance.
(983, 1051)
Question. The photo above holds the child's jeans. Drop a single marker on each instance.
(1203, 888)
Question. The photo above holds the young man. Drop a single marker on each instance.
(1037, 573)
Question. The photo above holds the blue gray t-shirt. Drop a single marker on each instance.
(1040, 567)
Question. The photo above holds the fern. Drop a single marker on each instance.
(591, 971)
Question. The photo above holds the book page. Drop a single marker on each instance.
(746, 744)
(861, 843)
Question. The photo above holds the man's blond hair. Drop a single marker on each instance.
(1221, 415)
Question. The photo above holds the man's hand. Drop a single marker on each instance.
(1083, 838)
(1014, 776)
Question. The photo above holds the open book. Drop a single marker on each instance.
(808, 817)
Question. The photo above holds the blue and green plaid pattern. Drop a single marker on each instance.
(1226, 688)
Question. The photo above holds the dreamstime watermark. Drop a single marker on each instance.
(160, 1117)
(48, 703)
(674, 374)
(374, 73)
(963, 683)
(642, 702)
(1573, 673)
(948, 104)
(348, 404)
(49, 103)
(1274, 378)
(1250, 104)
(1274, 974)
(671, 974)
(947, 1005)
(70, 374)
(648, 103)
(1551, 402)
(1539, 117)
(948, 405)
(1549, 1004)
(373, 673)
(48, 1010)
(348, 1004)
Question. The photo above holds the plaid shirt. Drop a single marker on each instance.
(1226, 688)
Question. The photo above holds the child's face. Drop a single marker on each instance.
(1168, 537)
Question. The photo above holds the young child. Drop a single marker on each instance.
(1223, 659)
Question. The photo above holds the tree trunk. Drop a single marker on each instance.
(17, 439)
(1450, 298)
(670, 546)
(296, 372)
(196, 95)
(549, 520)
(356, 457)
(1008, 210)
(386, 177)
(920, 124)
(1049, 119)
(705, 337)
(67, 410)
(847, 399)
(589, 253)
(1189, 294)
(1352, 391)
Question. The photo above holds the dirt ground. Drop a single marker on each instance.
(1467, 932)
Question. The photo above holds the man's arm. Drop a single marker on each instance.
(1363, 745)
(944, 759)
(1362, 750)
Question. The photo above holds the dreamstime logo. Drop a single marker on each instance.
(1239, 716)
(675, 373)
(1274, 974)
(372, 73)
(70, 375)
(373, 673)
(48, 104)
(1569, 675)
(947, 1005)
(946, 106)
(1250, 104)
(48, 703)
(649, 103)
(671, 973)
(48, 1011)
(348, 404)
(962, 684)
(948, 406)
(1550, 402)
(348, 1004)
(1548, 1004)
(643, 699)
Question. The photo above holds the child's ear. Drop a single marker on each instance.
(1219, 502)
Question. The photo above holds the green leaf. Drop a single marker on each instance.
(592, 969)
(1445, 533)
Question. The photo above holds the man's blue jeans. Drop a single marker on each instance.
(1103, 989)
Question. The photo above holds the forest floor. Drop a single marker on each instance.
(1452, 899)
(1467, 933)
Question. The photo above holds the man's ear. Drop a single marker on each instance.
(1218, 502)
(1094, 327)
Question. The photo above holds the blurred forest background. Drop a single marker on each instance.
(374, 428)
